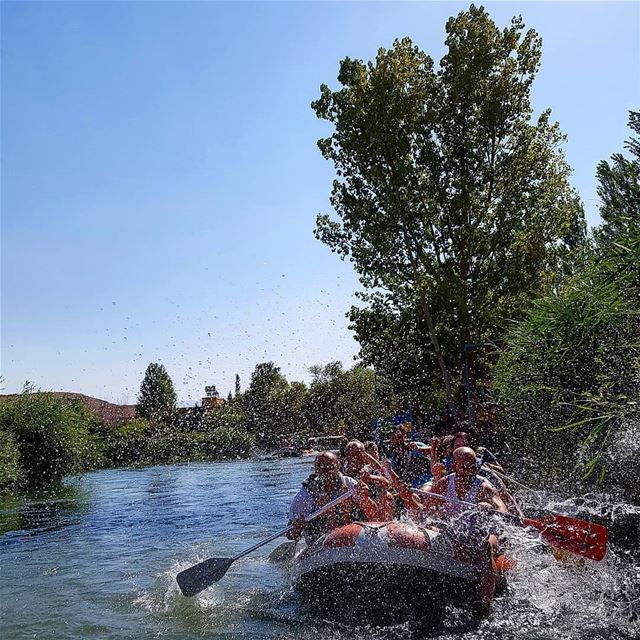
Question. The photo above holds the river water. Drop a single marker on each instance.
(97, 558)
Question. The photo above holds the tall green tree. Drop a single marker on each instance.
(340, 399)
(453, 202)
(263, 403)
(157, 397)
(619, 189)
(293, 417)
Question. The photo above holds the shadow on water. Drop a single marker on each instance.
(42, 511)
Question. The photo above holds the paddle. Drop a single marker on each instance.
(580, 537)
(591, 538)
(283, 552)
(202, 575)
(504, 476)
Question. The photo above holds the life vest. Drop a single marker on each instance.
(344, 513)
(463, 517)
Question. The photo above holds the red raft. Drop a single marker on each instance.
(381, 564)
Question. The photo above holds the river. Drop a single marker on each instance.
(97, 558)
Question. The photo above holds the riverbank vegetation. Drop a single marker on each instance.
(454, 205)
(44, 437)
(569, 375)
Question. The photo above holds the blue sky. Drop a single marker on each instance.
(160, 178)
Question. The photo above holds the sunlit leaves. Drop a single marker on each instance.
(53, 437)
(447, 193)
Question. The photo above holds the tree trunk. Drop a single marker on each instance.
(443, 367)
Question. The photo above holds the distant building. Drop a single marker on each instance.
(212, 399)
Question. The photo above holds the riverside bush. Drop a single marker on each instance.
(10, 470)
(53, 436)
(127, 444)
(570, 376)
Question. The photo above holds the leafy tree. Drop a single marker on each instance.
(10, 470)
(227, 435)
(128, 444)
(293, 418)
(263, 403)
(453, 205)
(619, 189)
(157, 397)
(340, 400)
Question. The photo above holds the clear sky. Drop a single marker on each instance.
(160, 177)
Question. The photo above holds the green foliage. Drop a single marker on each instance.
(128, 444)
(53, 436)
(10, 470)
(570, 376)
(619, 190)
(227, 433)
(340, 400)
(264, 404)
(453, 205)
(157, 397)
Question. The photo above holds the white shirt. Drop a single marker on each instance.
(304, 504)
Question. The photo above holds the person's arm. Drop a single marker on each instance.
(362, 498)
(409, 499)
(490, 460)
(425, 449)
(510, 503)
(434, 506)
(379, 480)
(366, 504)
(488, 496)
(438, 470)
(301, 507)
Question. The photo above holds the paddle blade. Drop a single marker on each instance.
(194, 579)
(580, 537)
(283, 552)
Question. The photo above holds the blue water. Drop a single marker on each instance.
(97, 558)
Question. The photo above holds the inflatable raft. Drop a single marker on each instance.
(372, 564)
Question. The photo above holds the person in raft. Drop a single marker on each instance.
(356, 466)
(322, 486)
(467, 497)
(400, 452)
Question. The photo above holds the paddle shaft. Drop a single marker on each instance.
(469, 504)
(504, 476)
(202, 575)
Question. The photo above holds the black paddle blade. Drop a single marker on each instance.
(194, 579)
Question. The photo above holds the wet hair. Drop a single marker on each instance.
(465, 436)
(445, 445)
